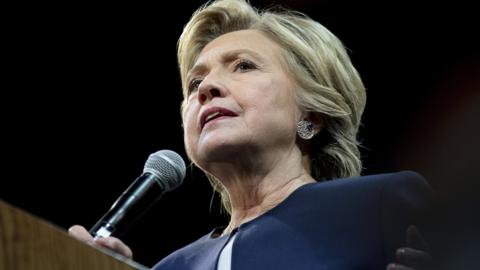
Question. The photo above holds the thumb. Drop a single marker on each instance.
(80, 233)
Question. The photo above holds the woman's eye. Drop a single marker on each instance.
(245, 65)
(193, 86)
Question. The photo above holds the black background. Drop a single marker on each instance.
(90, 90)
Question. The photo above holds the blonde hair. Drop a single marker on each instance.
(329, 86)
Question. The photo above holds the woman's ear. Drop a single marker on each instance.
(309, 125)
(318, 121)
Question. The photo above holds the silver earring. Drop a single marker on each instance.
(305, 129)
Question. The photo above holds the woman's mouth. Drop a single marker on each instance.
(215, 113)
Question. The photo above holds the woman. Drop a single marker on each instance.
(272, 106)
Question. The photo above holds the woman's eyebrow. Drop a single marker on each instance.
(226, 57)
(232, 55)
(197, 69)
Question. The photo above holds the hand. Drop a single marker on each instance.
(111, 243)
(415, 256)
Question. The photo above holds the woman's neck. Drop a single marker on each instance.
(254, 192)
(250, 205)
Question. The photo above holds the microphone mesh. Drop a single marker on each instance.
(168, 166)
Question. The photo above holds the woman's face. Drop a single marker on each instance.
(241, 100)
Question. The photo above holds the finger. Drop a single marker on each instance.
(396, 266)
(413, 258)
(415, 239)
(116, 245)
(80, 233)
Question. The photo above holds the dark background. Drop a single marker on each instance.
(90, 90)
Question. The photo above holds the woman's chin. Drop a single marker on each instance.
(220, 150)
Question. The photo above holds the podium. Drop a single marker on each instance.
(30, 243)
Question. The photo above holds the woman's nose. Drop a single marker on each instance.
(209, 90)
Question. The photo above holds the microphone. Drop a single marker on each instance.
(163, 171)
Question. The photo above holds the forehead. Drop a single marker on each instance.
(243, 40)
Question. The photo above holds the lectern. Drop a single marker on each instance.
(30, 243)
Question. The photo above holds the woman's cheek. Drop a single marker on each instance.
(190, 137)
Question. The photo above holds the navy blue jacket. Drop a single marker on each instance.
(354, 223)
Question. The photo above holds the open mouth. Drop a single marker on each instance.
(214, 113)
(212, 116)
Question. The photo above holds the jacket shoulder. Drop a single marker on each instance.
(387, 182)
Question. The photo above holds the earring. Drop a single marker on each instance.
(305, 129)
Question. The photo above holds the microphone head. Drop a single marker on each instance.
(168, 167)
